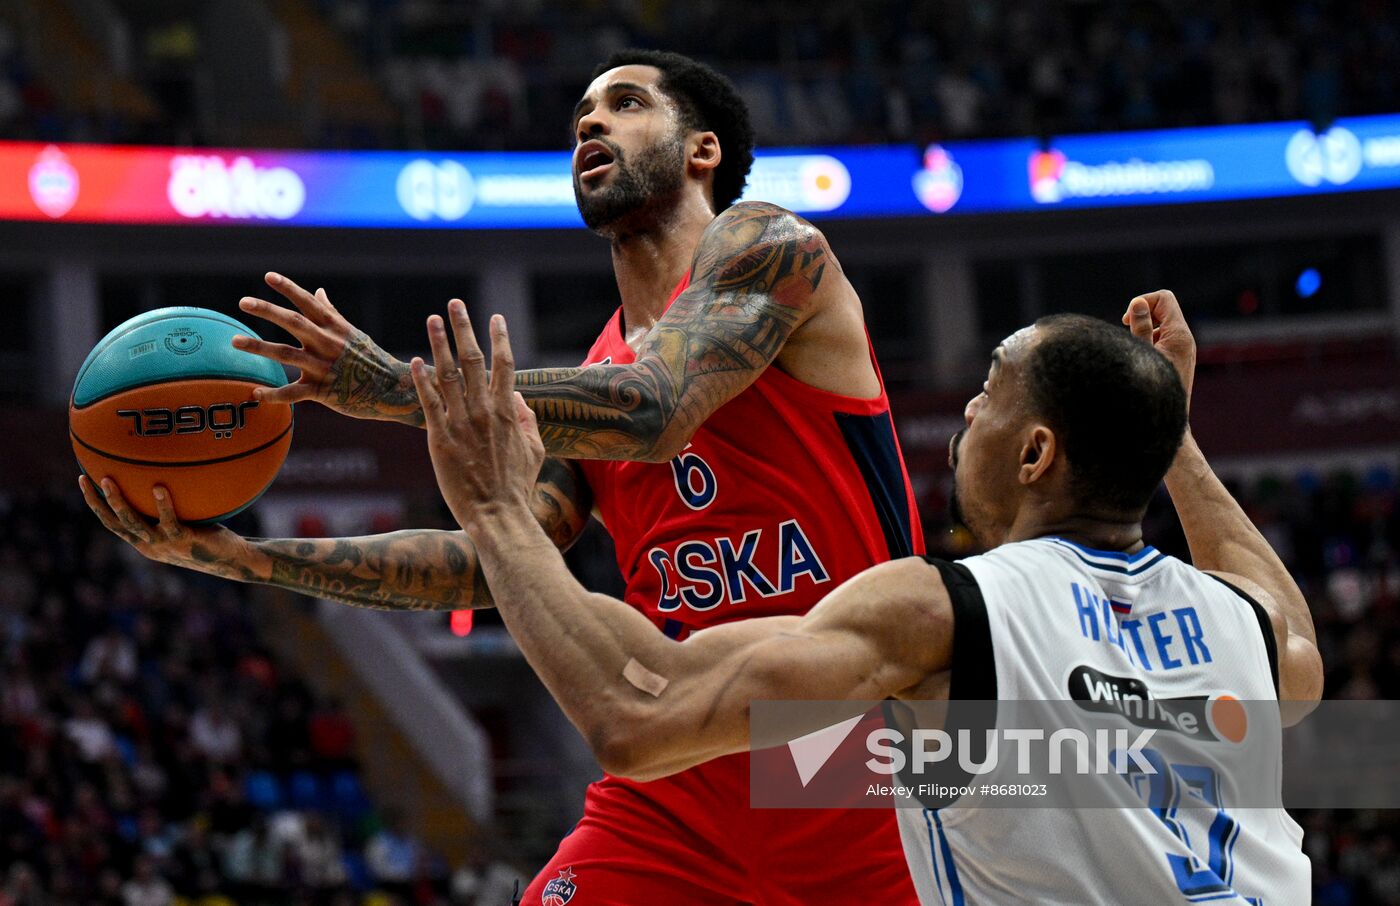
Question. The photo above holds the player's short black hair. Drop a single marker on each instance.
(708, 102)
(1115, 404)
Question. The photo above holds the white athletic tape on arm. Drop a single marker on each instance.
(650, 683)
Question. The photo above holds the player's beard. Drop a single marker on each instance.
(650, 184)
(958, 514)
(955, 510)
(978, 523)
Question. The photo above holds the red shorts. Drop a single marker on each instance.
(692, 840)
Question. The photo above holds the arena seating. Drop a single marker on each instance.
(152, 748)
(430, 73)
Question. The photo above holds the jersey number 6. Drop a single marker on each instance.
(695, 480)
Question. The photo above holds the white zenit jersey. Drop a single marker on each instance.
(1081, 627)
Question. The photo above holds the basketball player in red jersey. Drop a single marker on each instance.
(729, 427)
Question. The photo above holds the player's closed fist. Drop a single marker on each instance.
(1157, 319)
(484, 441)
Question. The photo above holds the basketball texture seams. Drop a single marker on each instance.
(164, 399)
(168, 344)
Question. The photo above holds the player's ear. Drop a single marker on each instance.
(704, 151)
(1037, 454)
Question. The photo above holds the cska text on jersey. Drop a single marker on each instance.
(702, 574)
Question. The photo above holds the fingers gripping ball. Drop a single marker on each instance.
(165, 399)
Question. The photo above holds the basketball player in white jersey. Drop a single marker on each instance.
(1077, 424)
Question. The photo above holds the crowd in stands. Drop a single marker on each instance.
(505, 75)
(153, 750)
(894, 70)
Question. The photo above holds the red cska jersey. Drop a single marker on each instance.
(782, 494)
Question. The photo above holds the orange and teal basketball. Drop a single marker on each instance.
(165, 399)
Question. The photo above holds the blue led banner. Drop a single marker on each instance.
(1175, 166)
(104, 184)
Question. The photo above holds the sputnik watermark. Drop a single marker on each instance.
(1065, 753)
(1105, 749)
(1112, 751)
(942, 791)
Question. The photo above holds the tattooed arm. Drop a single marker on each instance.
(410, 570)
(341, 367)
(754, 280)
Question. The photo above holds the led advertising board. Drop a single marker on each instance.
(482, 190)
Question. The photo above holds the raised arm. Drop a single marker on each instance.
(755, 278)
(647, 705)
(417, 569)
(1221, 536)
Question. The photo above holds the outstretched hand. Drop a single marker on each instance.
(1157, 318)
(209, 549)
(484, 441)
(341, 367)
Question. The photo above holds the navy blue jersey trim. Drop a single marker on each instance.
(1131, 559)
(1152, 558)
(954, 885)
(870, 439)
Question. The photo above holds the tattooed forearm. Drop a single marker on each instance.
(603, 412)
(367, 382)
(754, 277)
(409, 570)
(215, 565)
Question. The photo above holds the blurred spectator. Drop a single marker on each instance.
(483, 885)
(89, 731)
(109, 657)
(21, 887)
(194, 868)
(251, 859)
(332, 736)
(146, 887)
(318, 856)
(109, 888)
(215, 734)
(391, 854)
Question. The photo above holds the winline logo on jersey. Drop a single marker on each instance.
(1111, 746)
